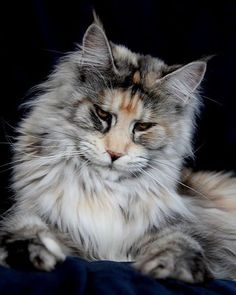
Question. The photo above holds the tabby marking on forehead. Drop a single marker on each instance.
(128, 109)
(130, 104)
(121, 101)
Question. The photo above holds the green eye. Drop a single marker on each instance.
(103, 115)
(143, 126)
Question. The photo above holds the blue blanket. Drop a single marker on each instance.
(77, 276)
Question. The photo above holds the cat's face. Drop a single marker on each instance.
(129, 111)
(121, 131)
(134, 109)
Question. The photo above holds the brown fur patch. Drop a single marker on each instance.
(128, 109)
(213, 189)
(136, 77)
(129, 103)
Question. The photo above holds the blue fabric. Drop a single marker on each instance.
(76, 276)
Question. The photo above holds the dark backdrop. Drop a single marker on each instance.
(37, 33)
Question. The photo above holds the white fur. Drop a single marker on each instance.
(94, 215)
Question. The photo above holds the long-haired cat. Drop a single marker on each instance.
(99, 169)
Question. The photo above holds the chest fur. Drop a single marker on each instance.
(103, 218)
(104, 221)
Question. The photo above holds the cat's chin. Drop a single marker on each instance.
(111, 173)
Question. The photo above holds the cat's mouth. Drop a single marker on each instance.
(109, 167)
(100, 165)
(110, 171)
(119, 168)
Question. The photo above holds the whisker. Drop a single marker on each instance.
(8, 124)
(179, 182)
(22, 133)
(164, 163)
(6, 143)
(85, 164)
(64, 155)
(11, 163)
(30, 146)
(54, 51)
(212, 100)
(153, 178)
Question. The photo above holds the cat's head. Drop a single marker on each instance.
(126, 111)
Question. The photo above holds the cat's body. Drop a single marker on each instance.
(98, 164)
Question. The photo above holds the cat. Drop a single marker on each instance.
(99, 169)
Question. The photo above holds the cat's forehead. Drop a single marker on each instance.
(127, 106)
(139, 70)
(121, 100)
(131, 92)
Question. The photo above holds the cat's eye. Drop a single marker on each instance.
(142, 126)
(103, 115)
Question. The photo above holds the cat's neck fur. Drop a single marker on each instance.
(105, 216)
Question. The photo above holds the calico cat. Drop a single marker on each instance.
(99, 169)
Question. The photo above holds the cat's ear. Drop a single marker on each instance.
(96, 50)
(183, 82)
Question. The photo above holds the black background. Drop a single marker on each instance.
(37, 33)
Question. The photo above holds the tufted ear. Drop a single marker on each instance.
(96, 50)
(183, 82)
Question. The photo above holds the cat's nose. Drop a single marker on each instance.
(114, 155)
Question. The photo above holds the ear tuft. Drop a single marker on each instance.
(96, 19)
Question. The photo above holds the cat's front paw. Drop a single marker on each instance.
(44, 255)
(42, 251)
(188, 266)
